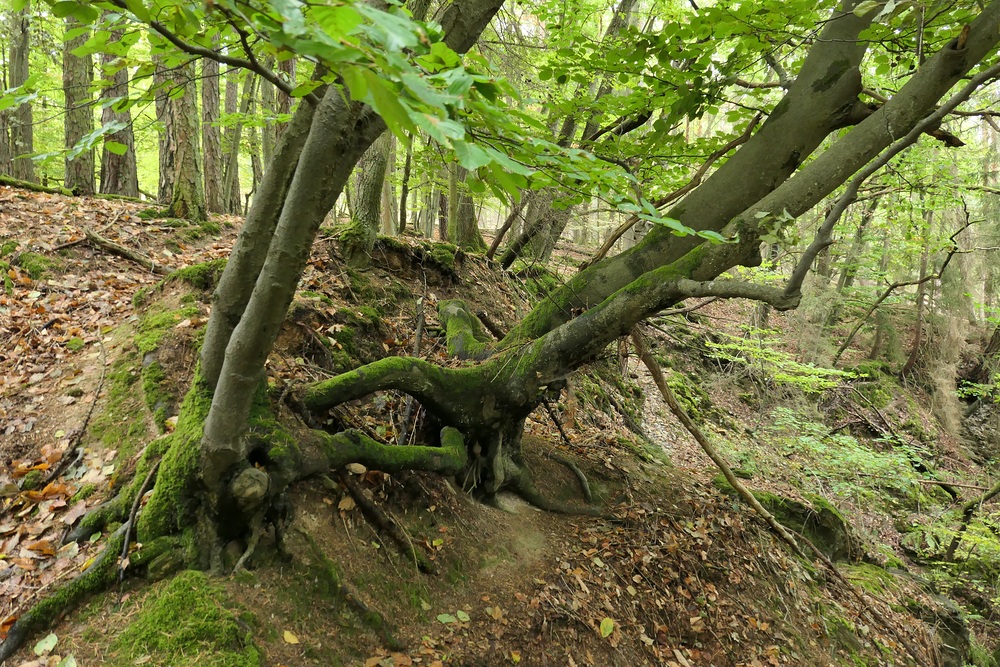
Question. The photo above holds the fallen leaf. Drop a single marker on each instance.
(45, 644)
(290, 638)
(607, 627)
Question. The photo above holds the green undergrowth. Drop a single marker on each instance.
(187, 622)
(203, 277)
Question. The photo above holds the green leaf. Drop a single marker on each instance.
(864, 8)
(462, 616)
(386, 103)
(68, 661)
(355, 80)
(115, 147)
(46, 644)
(607, 627)
(470, 155)
(304, 89)
(338, 21)
(446, 618)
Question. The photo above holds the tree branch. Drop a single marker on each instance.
(251, 65)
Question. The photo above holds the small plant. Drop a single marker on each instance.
(757, 351)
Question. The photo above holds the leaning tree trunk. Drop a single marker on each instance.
(187, 200)
(119, 173)
(21, 126)
(78, 74)
(358, 239)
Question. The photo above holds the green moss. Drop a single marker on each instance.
(33, 480)
(155, 325)
(8, 247)
(186, 623)
(154, 390)
(322, 298)
(169, 508)
(121, 425)
(37, 266)
(74, 344)
(204, 276)
(152, 213)
(443, 254)
(869, 577)
(84, 492)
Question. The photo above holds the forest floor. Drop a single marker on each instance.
(97, 352)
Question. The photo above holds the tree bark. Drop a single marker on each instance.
(119, 173)
(187, 199)
(358, 239)
(211, 135)
(463, 227)
(21, 126)
(758, 177)
(78, 75)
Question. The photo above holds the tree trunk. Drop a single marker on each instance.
(358, 239)
(21, 127)
(163, 84)
(119, 173)
(404, 186)
(463, 226)
(211, 136)
(78, 75)
(187, 200)
(231, 179)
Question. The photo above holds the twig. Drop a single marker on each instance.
(383, 522)
(676, 194)
(122, 251)
(65, 462)
(569, 463)
(404, 426)
(130, 524)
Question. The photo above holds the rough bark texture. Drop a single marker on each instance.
(21, 129)
(119, 174)
(78, 75)
(463, 227)
(165, 182)
(187, 200)
(358, 239)
(211, 135)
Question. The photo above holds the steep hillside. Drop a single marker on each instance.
(378, 569)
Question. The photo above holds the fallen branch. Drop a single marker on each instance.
(661, 383)
(384, 523)
(744, 493)
(129, 254)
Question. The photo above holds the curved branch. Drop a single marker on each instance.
(355, 447)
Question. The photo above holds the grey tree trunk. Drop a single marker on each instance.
(21, 128)
(78, 75)
(162, 81)
(758, 177)
(211, 136)
(119, 173)
(187, 199)
(231, 177)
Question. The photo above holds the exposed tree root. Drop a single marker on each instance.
(559, 458)
(101, 574)
(526, 489)
(130, 524)
(386, 524)
(344, 591)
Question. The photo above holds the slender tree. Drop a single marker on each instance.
(78, 75)
(211, 136)
(187, 197)
(119, 172)
(21, 126)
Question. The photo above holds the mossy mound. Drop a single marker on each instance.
(186, 623)
(817, 520)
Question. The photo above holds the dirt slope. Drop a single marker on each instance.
(675, 573)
